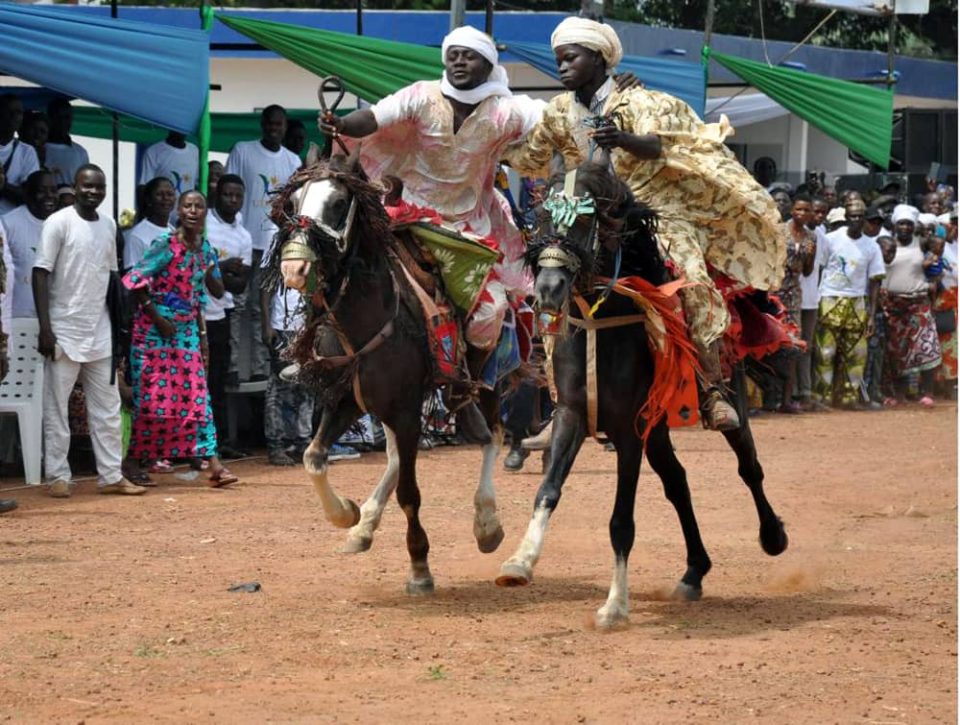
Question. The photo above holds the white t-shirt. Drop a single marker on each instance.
(63, 160)
(137, 240)
(179, 165)
(263, 172)
(848, 264)
(949, 279)
(79, 255)
(810, 283)
(21, 230)
(6, 299)
(287, 313)
(905, 273)
(23, 162)
(228, 241)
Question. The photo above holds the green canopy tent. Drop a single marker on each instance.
(356, 59)
(861, 117)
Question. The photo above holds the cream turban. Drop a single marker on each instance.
(837, 214)
(590, 34)
(905, 213)
(928, 220)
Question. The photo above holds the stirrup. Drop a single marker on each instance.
(717, 413)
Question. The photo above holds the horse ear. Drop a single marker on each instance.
(313, 155)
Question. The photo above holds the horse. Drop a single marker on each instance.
(617, 237)
(365, 348)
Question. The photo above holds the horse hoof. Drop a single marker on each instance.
(687, 593)
(611, 619)
(357, 544)
(491, 542)
(773, 538)
(419, 587)
(350, 516)
(514, 575)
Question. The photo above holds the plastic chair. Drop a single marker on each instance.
(22, 393)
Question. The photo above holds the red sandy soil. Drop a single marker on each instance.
(116, 609)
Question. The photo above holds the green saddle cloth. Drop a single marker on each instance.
(465, 264)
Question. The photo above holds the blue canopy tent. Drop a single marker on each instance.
(157, 73)
(679, 78)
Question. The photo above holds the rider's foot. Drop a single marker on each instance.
(539, 442)
(718, 414)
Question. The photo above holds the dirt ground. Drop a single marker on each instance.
(117, 610)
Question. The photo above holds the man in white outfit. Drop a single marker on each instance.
(71, 276)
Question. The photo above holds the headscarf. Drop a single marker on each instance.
(927, 219)
(592, 35)
(905, 213)
(837, 214)
(497, 83)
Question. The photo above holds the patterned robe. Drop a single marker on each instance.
(712, 212)
(171, 404)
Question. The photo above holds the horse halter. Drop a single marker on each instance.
(565, 208)
(341, 238)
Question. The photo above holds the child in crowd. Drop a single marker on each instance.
(288, 407)
(873, 371)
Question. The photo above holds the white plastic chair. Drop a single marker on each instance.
(22, 393)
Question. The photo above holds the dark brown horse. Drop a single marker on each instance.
(567, 264)
(365, 348)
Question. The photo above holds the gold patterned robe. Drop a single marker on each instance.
(711, 210)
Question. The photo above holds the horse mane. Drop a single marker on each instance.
(371, 222)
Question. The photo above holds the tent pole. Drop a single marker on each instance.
(488, 19)
(203, 132)
(458, 9)
(891, 44)
(116, 145)
(359, 17)
(705, 51)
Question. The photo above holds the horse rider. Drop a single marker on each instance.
(713, 214)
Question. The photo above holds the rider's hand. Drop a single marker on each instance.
(626, 81)
(608, 137)
(329, 123)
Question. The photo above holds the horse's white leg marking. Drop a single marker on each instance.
(360, 537)
(340, 511)
(616, 608)
(518, 569)
(486, 523)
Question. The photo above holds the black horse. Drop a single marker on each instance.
(566, 265)
(365, 348)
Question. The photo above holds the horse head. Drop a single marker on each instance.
(589, 218)
(323, 213)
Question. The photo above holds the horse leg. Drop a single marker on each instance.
(420, 580)
(486, 524)
(339, 510)
(360, 537)
(622, 532)
(672, 475)
(568, 433)
(773, 536)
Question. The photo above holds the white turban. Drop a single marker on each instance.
(905, 213)
(590, 34)
(928, 220)
(497, 83)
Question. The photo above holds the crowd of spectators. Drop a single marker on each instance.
(869, 283)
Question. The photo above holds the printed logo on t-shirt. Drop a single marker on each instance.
(181, 183)
(269, 183)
